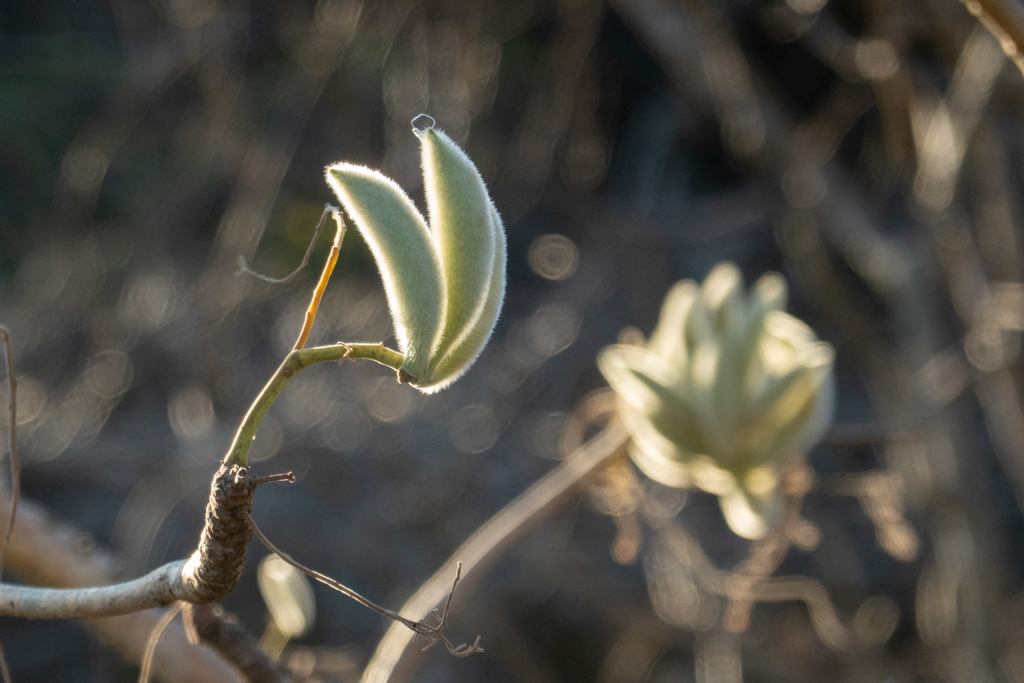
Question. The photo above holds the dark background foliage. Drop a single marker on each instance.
(870, 151)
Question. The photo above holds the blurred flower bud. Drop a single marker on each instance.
(444, 283)
(288, 596)
(726, 392)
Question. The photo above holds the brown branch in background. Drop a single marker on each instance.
(854, 435)
(1004, 19)
(394, 660)
(593, 407)
(881, 497)
(974, 297)
(615, 489)
(433, 633)
(220, 631)
(12, 386)
(243, 267)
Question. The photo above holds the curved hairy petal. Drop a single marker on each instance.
(705, 368)
(748, 515)
(667, 340)
(655, 455)
(770, 292)
(725, 298)
(643, 382)
(767, 295)
(467, 347)
(808, 422)
(460, 218)
(401, 244)
(623, 366)
(722, 294)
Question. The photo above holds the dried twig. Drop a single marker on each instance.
(284, 476)
(154, 638)
(243, 267)
(433, 633)
(318, 292)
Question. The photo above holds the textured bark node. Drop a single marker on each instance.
(216, 565)
(210, 574)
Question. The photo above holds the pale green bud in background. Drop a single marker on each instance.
(288, 596)
(727, 391)
(444, 282)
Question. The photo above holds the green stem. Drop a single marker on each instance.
(295, 361)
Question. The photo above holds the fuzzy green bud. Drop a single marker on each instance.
(444, 281)
(727, 391)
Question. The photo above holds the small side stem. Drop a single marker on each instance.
(293, 363)
(158, 588)
(318, 293)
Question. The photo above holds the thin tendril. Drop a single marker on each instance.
(432, 633)
(243, 267)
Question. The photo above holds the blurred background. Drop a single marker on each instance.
(871, 151)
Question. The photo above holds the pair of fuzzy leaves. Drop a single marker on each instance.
(727, 390)
(444, 283)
